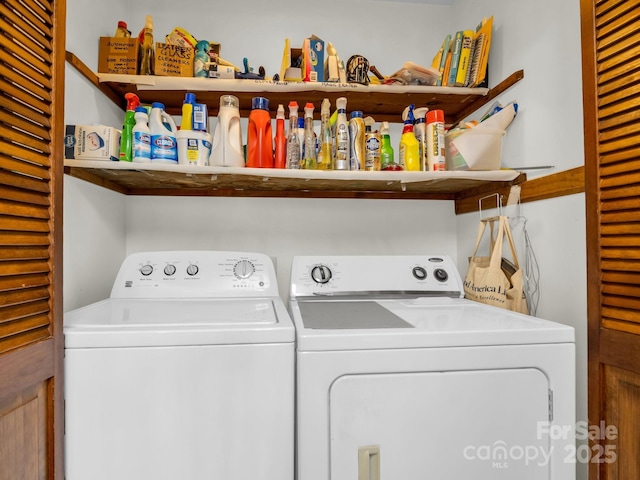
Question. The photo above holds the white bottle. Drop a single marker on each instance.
(342, 136)
(141, 137)
(226, 150)
(164, 146)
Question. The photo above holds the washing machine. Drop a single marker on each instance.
(185, 372)
(398, 376)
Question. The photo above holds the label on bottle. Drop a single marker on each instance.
(342, 147)
(372, 151)
(164, 147)
(142, 145)
(435, 147)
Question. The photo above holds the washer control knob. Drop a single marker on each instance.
(420, 273)
(146, 270)
(169, 270)
(243, 269)
(192, 270)
(321, 274)
(441, 274)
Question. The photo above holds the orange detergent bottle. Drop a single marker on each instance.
(259, 135)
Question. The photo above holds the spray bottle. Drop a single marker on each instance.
(293, 143)
(281, 139)
(409, 149)
(420, 129)
(342, 136)
(357, 141)
(141, 136)
(310, 160)
(325, 159)
(187, 112)
(126, 140)
(387, 161)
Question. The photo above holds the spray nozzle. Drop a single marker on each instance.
(293, 108)
(410, 117)
(325, 108)
(189, 98)
(132, 101)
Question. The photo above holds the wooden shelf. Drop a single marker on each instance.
(382, 102)
(182, 180)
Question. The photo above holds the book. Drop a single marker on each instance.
(462, 76)
(455, 58)
(447, 67)
(442, 58)
(480, 60)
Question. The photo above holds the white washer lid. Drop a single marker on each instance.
(419, 323)
(176, 322)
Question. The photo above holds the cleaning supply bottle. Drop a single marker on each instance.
(357, 139)
(310, 159)
(259, 136)
(372, 144)
(293, 142)
(187, 112)
(122, 31)
(227, 135)
(435, 141)
(146, 47)
(280, 140)
(342, 136)
(164, 146)
(409, 149)
(387, 160)
(126, 139)
(301, 137)
(141, 136)
(420, 131)
(325, 157)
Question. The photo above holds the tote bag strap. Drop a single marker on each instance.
(512, 246)
(495, 245)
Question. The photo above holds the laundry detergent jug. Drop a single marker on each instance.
(226, 150)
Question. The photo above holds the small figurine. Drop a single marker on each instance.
(358, 69)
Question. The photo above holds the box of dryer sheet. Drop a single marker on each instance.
(91, 142)
(315, 56)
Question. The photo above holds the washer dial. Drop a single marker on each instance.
(169, 270)
(243, 269)
(192, 270)
(146, 270)
(441, 274)
(321, 274)
(420, 273)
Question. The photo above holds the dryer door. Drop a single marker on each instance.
(464, 424)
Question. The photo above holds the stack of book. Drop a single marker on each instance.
(463, 57)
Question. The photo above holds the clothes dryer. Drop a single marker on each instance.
(186, 371)
(399, 376)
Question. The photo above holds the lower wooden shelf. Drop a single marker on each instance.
(183, 180)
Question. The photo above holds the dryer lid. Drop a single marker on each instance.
(177, 322)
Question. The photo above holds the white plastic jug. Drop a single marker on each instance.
(164, 147)
(226, 150)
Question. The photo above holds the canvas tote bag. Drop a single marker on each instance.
(493, 279)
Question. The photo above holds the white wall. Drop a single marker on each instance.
(542, 37)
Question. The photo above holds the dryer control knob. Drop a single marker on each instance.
(146, 270)
(169, 270)
(243, 269)
(441, 275)
(192, 270)
(321, 274)
(420, 273)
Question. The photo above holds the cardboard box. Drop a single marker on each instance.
(118, 55)
(91, 142)
(315, 56)
(173, 60)
(221, 71)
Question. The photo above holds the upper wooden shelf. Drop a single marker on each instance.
(382, 102)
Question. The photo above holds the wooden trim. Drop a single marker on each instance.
(619, 349)
(567, 182)
(82, 68)
(37, 357)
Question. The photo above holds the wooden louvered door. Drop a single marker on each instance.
(611, 87)
(32, 51)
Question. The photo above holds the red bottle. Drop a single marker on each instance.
(259, 136)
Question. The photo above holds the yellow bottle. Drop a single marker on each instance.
(146, 49)
(409, 146)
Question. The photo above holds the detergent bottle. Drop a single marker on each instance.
(420, 131)
(186, 122)
(259, 136)
(126, 139)
(227, 135)
(409, 149)
(164, 146)
(141, 136)
(280, 139)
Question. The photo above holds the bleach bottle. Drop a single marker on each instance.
(227, 136)
(164, 146)
(141, 137)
